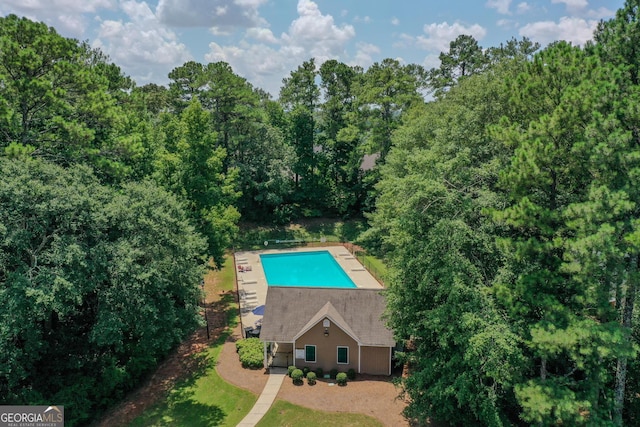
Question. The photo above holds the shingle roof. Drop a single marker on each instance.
(291, 310)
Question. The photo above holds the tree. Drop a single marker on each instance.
(186, 84)
(617, 44)
(59, 100)
(513, 49)
(234, 111)
(617, 39)
(192, 166)
(465, 58)
(436, 185)
(570, 222)
(387, 90)
(93, 295)
(300, 97)
(342, 147)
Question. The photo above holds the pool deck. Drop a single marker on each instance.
(252, 285)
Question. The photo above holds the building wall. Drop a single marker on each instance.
(327, 348)
(375, 360)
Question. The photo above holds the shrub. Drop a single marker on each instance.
(306, 370)
(333, 373)
(290, 369)
(297, 375)
(311, 378)
(250, 352)
(319, 373)
(351, 374)
(341, 378)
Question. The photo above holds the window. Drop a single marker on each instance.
(309, 353)
(343, 355)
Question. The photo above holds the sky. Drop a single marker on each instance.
(264, 40)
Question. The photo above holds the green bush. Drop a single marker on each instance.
(319, 373)
(305, 371)
(251, 354)
(341, 378)
(311, 378)
(290, 369)
(333, 373)
(297, 376)
(351, 374)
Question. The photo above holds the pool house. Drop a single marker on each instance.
(315, 308)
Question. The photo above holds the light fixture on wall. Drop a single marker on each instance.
(326, 324)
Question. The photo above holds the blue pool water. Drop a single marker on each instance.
(311, 269)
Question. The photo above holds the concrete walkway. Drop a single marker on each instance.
(268, 395)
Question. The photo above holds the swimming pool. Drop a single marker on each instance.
(307, 269)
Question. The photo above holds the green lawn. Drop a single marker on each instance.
(285, 414)
(252, 237)
(204, 399)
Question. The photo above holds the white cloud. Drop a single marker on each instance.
(142, 46)
(600, 13)
(311, 35)
(404, 41)
(262, 34)
(573, 5)
(60, 6)
(502, 6)
(440, 35)
(506, 23)
(395, 21)
(66, 16)
(365, 19)
(210, 13)
(316, 33)
(431, 61)
(572, 29)
(523, 7)
(364, 54)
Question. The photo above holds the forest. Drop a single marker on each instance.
(504, 197)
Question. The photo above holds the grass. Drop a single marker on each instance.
(375, 265)
(252, 237)
(225, 277)
(204, 399)
(283, 414)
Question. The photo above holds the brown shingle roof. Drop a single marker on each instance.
(291, 310)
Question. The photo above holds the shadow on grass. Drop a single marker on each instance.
(198, 414)
(183, 413)
(351, 230)
(252, 236)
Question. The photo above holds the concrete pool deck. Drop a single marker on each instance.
(252, 284)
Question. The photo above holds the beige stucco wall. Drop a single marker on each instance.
(327, 348)
(375, 360)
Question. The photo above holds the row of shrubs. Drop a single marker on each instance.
(251, 353)
(297, 375)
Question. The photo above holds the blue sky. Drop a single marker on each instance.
(264, 40)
